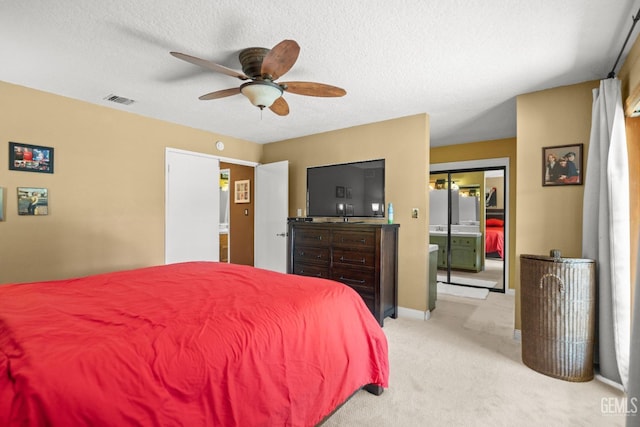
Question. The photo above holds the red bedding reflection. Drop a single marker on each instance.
(494, 240)
(193, 344)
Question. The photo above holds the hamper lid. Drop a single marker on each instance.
(558, 259)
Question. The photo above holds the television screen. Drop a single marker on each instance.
(346, 190)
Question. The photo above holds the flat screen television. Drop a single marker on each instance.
(353, 189)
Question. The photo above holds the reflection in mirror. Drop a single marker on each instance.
(458, 204)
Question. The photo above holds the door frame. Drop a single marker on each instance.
(169, 226)
(479, 164)
(241, 163)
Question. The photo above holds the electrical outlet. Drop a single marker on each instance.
(414, 213)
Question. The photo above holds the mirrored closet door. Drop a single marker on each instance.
(467, 222)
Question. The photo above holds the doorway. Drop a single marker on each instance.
(192, 228)
(468, 221)
(225, 179)
(241, 215)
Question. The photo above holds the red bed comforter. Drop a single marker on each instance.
(494, 240)
(191, 344)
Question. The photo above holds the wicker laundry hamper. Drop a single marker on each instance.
(558, 315)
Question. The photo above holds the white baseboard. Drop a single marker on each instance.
(413, 314)
(607, 381)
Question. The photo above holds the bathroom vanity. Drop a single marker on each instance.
(466, 248)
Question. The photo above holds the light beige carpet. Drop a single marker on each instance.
(467, 281)
(462, 367)
(462, 291)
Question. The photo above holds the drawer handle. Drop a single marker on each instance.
(361, 261)
(303, 253)
(363, 241)
(346, 279)
(315, 275)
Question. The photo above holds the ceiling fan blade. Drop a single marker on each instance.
(220, 94)
(280, 59)
(209, 65)
(313, 89)
(280, 107)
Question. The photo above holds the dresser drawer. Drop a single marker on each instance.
(361, 279)
(351, 239)
(463, 241)
(315, 254)
(303, 269)
(312, 237)
(361, 258)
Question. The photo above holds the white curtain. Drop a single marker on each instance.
(633, 391)
(605, 229)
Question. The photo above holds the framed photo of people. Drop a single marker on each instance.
(33, 201)
(1, 204)
(30, 158)
(562, 165)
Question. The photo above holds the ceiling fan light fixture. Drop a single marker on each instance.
(261, 93)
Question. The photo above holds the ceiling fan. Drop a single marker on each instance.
(262, 67)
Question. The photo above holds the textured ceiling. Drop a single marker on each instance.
(461, 62)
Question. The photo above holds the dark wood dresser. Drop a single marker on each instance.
(363, 256)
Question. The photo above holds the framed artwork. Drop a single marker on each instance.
(243, 191)
(1, 204)
(349, 192)
(33, 201)
(340, 192)
(562, 165)
(349, 209)
(30, 158)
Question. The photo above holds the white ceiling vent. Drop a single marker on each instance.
(119, 99)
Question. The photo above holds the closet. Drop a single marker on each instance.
(467, 222)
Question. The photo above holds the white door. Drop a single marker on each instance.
(192, 200)
(271, 211)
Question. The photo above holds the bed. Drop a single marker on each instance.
(494, 237)
(188, 344)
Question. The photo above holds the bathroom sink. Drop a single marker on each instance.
(456, 233)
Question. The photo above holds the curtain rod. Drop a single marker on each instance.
(612, 74)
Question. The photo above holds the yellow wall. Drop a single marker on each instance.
(549, 217)
(106, 197)
(403, 143)
(630, 77)
(501, 148)
(629, 74)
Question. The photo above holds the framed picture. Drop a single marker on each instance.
(1, 204)
(349, 193)
(30, 158)
(349, 209)
(562, 165)
(243, 191)
(339, 192)
(33, 201)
